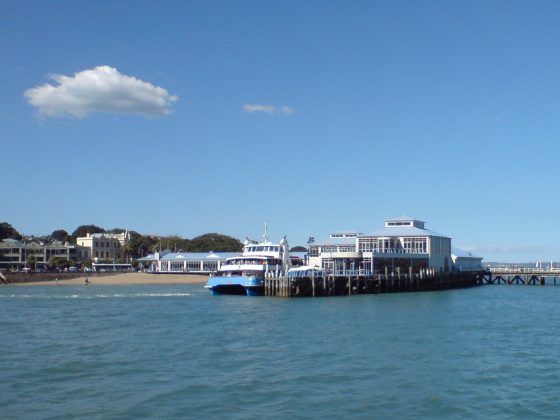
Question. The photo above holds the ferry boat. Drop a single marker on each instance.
(245, 274)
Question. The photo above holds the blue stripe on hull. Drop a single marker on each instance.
(236, 285)
(255, 291)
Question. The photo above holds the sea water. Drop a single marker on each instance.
(170, 351)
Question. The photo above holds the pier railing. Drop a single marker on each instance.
(521, 277)
(525, 270)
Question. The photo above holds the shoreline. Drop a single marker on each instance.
(121, 279)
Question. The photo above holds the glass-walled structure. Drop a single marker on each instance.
(403, 244)
(185, 262)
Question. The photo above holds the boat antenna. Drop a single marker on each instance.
(265, 236)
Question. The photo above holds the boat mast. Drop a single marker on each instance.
(265, 236)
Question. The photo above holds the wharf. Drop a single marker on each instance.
(521, 277)
(349, 283)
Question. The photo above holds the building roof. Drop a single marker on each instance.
(345, 234)
(147, 258)
(12, 242)
(405, 231)
(461, 253)
(102, 235)
(403, 219)
(197, 256)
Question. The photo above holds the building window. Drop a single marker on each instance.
(313, 251)
(365, 244)
(416, 245)
(399, 223)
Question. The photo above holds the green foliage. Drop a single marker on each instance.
(298, 249)
(214, 242)
(30, 261)
(116, 231)
(57, 262)
(174, 243)
(83, 230)
(60, 235)
(8, 232)
(139, 246)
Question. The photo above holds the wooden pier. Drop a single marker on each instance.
(338, 285)
(521, 277)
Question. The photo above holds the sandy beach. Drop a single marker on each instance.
(125, 278)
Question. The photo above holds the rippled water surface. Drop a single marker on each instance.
(175, 351)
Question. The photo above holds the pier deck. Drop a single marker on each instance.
(353, 283)
(521, 277)
(338, 285)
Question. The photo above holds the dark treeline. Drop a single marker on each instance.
(139, 245)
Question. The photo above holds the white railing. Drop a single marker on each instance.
(521, 270)
(396, 251)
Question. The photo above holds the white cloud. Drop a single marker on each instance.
(101, 89)
(268, 109)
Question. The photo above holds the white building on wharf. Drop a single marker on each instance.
(185, 262)
(465, 260)
(403, 243)
(167, 262)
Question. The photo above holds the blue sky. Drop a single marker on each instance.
(193, 117)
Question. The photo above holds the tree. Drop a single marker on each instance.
(30, 261)
(128, 249)
(8, 232)
(60, 235)
(139, 245)
(174, 243)
(57, 262)
(52, 262)
(83, 230)
(298, 249)
(214, 242)
(116, 231)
